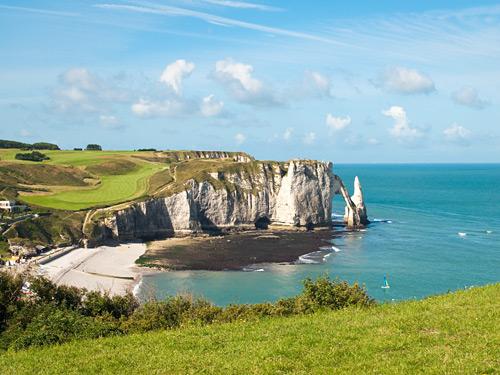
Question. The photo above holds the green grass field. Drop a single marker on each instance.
(456, 333)
(114, 186)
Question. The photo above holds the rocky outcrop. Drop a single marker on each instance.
(355, 214)
(297, 193)
(240, 157)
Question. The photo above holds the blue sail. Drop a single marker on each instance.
(386, 283)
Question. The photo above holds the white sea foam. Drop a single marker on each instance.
(305, 259)
(336, 249)
(375, 220)
(248, 269)
(489, 231)
(462, 234)
(137, 288)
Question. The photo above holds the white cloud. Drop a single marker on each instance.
(337, 123)
(77, 91)
(309, 138)
(240, 138)
(40, 11)
(108, 119)
(172, 11)
(210, 106)
(287, 135)
(402, 130)
(238, 79)
(147, 108)
(242, 5)
(468, 96)
(406, 81)
(317, 84)
(110, 122)
(457, 134)
(174, 74)
(25, 133)
(81, 91)
(373, 141)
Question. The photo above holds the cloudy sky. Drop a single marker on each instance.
(357, 81)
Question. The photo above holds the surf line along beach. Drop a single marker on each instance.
(109, 269)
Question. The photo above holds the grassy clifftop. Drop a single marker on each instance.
(80, 180)
(453, 334)
(71, 183)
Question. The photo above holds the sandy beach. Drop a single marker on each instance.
(109, 269)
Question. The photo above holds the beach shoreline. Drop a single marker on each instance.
(109, 269)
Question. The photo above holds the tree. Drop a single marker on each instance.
(93, 147)
(45, 146)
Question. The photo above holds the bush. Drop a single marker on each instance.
(55, 314)
(52, 325)
(325, 293)
(59, 295)
(32, 156)
(98, 304)
(10, 293)
(93, 147)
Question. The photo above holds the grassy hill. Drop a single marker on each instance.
(80, 180)
(106, 177)
(456, 333)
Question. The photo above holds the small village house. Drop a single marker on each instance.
(12, 206)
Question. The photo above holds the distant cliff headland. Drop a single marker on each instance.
(96, 196)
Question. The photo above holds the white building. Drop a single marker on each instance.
(12, 206)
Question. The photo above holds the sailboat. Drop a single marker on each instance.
(386, 283)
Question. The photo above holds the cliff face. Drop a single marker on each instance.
(297, 193)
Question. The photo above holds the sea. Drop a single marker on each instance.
(434, 228)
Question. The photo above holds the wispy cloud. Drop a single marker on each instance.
(39, 11)
(149, 8)
(243, 5)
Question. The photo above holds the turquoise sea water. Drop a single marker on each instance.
(435, 228)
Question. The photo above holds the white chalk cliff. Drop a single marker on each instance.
(296, 193)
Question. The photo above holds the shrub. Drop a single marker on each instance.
(154, 315)
(32, 156)
(55, 314)
(60, 295)
(10, 293)
(52, 325)
(325, 293)
(98, 304)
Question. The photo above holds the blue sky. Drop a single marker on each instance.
(358, 81)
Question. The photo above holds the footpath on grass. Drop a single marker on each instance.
(457, 333)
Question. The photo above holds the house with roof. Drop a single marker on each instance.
(12, 206)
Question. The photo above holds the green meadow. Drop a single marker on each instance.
(456, 333)
(113, 177)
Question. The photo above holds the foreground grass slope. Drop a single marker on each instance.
(450, 334)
